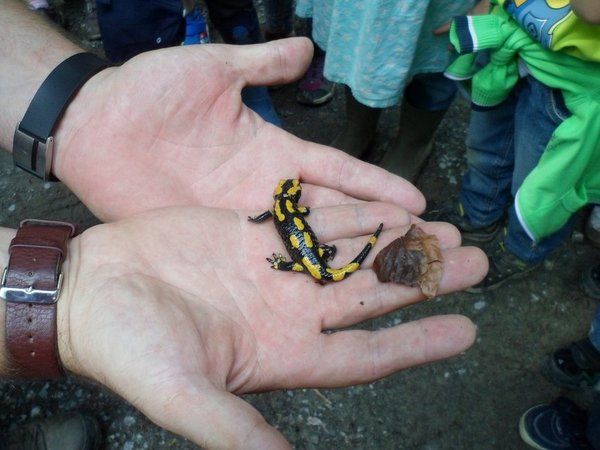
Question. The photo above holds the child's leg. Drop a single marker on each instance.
(485, 190)
(359, 129)
(426, 100)
(539, 112)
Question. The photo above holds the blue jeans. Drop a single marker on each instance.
(504, 144)
(430, 92)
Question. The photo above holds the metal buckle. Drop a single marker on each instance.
(29, 294)
(33, 155)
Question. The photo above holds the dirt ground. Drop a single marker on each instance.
(473, 401)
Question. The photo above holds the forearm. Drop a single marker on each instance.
(29, 49)
(588, 10)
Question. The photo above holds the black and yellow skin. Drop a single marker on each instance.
(300, 241)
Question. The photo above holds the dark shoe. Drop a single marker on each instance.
(590, 281)
(314, 89)
(67, 432)
(576, 367)
(504, 266)
(560, 425)
(452, 211)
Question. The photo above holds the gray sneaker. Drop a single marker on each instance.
(67, 432)
(453, 211)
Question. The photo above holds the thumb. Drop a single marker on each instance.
(216, 419)
(276, 62)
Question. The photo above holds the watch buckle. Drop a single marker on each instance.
(33, 155)
(29, 294)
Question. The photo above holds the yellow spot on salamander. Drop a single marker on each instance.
(290, 206)
(339, 274)
(279, 189)
(372, 240)
(308, 239)
(294, 241)
(299, 224)
(312, 268)
(278, 213)
(295, 188)
(298, 268)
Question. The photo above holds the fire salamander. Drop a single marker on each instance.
(300, 241)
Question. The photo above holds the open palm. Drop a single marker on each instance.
(177, 310)
(169, 128)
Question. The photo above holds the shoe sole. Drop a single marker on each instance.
(480, 239)
(319, 101)
(523, 431)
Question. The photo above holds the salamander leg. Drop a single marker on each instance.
(261, 217)
(278, 262)
(304, 210)
(327, 252)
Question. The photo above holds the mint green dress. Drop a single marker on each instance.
(375, 47)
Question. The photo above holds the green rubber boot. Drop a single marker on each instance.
(409, 152)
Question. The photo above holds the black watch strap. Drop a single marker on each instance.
(33, 140)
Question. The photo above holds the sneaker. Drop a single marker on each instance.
(314, 89)
(504, 266)
(590, 281)
(560, 425)
(576, 367)
(67, 432)
(453, 211)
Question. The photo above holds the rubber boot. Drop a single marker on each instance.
(359, 130)
(411, 148)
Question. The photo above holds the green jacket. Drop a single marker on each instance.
(567, 176)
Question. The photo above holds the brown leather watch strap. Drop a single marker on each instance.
(31, 286)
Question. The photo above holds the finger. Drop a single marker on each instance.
(358, 356)
(356, 219)
(341, 172)
(363, 297)
(277, 62)
(216, 419)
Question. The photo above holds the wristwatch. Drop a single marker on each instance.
(31, 286)
(33, 140)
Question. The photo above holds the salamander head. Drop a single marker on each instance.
(288, 188)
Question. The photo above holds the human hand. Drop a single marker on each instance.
(481, 8)
(169, 128)
(177, 311)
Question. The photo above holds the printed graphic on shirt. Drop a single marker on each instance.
(539, 17)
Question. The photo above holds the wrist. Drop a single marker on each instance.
(32, 293)
(65, 311)
(75, 130)
(33, 143)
